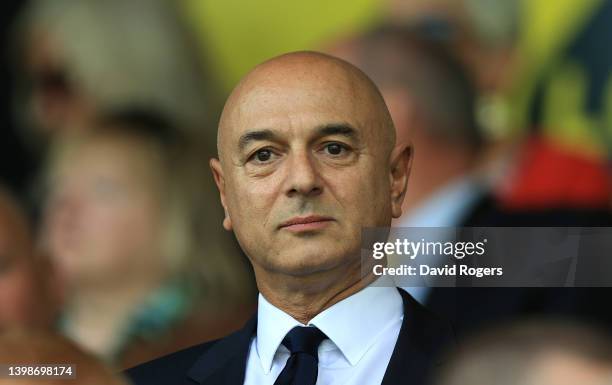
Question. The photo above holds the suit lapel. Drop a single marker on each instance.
(225, 362)
(421, 337)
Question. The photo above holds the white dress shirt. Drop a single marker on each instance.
(362, 331)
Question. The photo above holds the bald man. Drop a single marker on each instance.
(307, 158)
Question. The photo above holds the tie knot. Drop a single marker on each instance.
(304, 340)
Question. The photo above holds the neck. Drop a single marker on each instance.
(303, 297)
(96, 317)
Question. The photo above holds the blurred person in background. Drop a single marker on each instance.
(75, 59)
(482, 34)
(22, 346)
(532, 353)
(26, 278)
(87, 56)
(130, 226)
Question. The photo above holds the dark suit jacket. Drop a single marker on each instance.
(422, 337)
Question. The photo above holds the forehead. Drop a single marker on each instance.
(112, 149)
(298, 103)
(270, 105)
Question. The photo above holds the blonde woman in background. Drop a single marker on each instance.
(131, 226)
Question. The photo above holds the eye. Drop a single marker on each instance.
(335, 148)
(263, 155)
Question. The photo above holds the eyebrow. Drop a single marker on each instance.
(343, 129)
(253, 136)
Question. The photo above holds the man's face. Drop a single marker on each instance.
(304, 168)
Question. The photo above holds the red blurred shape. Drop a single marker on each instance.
(550, 176)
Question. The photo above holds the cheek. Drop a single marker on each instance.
(251, 204)
(129, 237)
(363, 198)
(122, 223)
(252, 211)
(136, 222)
(108, 220)
(114, 240)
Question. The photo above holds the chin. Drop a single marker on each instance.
(303, 264)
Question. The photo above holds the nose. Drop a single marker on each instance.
(303, 176)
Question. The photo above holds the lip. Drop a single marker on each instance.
(308, 223)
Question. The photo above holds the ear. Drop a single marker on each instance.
(217, 171)
(401, 162)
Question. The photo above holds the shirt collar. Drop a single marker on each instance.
(348, 323)
(273, 325)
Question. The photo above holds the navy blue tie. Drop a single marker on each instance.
(302, 366)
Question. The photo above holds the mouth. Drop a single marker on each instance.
(308, 223)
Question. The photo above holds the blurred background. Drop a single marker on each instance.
(110, 224)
